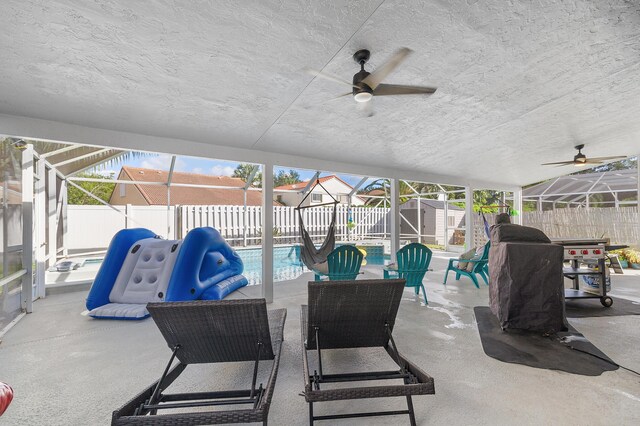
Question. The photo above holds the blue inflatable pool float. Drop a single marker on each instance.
(140, 267)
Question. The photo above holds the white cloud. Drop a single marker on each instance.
(222, 170)
(162, 162)
(197, 170)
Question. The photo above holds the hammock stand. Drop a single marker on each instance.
(309, 254)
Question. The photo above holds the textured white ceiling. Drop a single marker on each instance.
(519, 82)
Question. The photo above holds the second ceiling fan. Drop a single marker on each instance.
(366, 84)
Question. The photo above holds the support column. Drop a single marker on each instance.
(395, 217)
(267, 232)
(419, 217)
(52, 188)
(64, 195)
(27, 229)
(5, 225)
(469, 236)
(40, 227)
(517, 205)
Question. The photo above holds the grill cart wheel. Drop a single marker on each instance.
(606, 301)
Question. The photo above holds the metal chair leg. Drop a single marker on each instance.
(412, 416)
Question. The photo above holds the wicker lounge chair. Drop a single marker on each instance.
(210, 332)
(357, 314)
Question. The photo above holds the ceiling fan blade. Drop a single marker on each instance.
(339, 97)
(328, 77)
(376, 77)
(559, 163)
(397, 89)
(615, 157)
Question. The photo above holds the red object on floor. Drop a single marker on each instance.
(6, 396)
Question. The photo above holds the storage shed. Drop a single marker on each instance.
(436, 226)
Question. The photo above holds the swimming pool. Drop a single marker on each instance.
(287, 264)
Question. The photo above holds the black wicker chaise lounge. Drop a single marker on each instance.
(210, 332)
(357, 314)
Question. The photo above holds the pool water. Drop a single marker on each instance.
(287, 264)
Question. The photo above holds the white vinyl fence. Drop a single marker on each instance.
(92, 227)
(620, 225)
(230, 221)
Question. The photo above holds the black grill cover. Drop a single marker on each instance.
(526, 286)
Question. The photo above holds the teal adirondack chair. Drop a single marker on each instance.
(413, 263)
(343, 263)
(480, 267)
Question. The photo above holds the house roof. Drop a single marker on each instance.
(157, 195)
(301, 185)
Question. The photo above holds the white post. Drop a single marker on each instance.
(53, 217)
(469, 237)
(267, 232)
(64, 195)
(27, 229)
(395, 217)
(128, 212)
(40, 227)
(419, 213)
(5, 224)
(446, 221)
(517, 205)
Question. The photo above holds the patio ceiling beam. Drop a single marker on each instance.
(135, 182)
(358, 185)
(60, 151)
(411, 187)
(310, 183)
(54, 131)
(170, 175)
(252, 175)
(81, 157)
(90, 166)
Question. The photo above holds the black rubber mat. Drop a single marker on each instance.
(582, 308)
(535, 350)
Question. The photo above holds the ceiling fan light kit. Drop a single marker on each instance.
(581, 160)
(365, 85)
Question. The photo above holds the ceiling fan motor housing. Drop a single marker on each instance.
(357, 81)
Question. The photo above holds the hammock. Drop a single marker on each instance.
(309, 254)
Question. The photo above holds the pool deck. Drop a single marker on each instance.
(68, 369)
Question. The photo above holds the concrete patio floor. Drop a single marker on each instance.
(68, 369)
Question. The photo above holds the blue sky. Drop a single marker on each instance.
(204, 166)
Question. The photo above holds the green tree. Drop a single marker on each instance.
(102, 190)
(286, 178)
(243, 171)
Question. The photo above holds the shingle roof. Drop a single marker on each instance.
(302, 185)
(157, 195)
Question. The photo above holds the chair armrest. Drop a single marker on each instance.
(409, 271)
